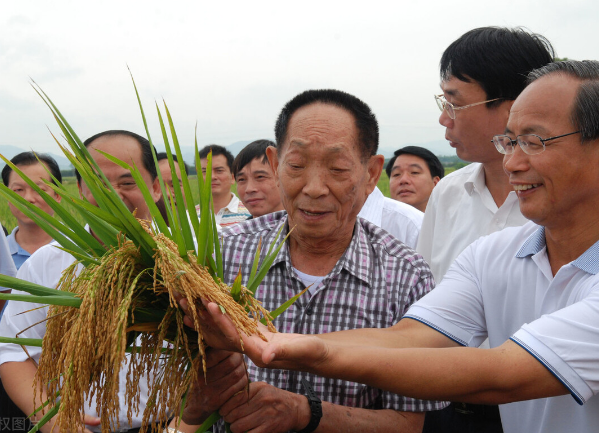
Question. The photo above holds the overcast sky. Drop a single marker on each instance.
(230, 66)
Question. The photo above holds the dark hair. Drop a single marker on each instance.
(256, 149)
(146, 149)
(585, 112)
(433, 163)
(217, 150)
(162, 155)
(368, 128)
(497, 58)
(29, 158)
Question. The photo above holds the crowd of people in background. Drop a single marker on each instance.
(423, 270)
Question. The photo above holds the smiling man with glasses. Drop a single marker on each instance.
(482, 73)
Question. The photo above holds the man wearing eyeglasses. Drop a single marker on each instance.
(482, 73)
(533, 290)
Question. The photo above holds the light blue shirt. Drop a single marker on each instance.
(19, 255)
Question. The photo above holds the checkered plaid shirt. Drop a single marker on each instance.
(371, 286)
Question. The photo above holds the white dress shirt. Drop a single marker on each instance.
(459, 211)
(45, 267)
(399, 219)
(502, 287)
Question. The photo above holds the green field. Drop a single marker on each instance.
(10, 222)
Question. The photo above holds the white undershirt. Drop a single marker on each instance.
(309, 280)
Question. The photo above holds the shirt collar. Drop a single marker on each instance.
(476, 180)
(13, 245)
(373, 207)
(357, 258)
(233, 204)
(588, 261)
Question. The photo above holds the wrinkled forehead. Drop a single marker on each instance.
(544, 106)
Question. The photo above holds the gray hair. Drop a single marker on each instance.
(585, 113)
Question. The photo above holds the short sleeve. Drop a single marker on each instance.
(455, 306)
(566, 342)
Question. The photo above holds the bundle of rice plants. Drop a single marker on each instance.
(119, 296)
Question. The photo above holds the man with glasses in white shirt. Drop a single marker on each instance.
(482, 73)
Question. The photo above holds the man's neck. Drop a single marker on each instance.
(31, 237)
(221, 201)
(497, 181)
(567, 242)
(316, 257)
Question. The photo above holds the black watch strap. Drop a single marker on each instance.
(315, 408)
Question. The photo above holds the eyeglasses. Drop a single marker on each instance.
(531, 144)
(443, 104)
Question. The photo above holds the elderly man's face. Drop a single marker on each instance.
(126, 149)
(558, 186)
(321, 174)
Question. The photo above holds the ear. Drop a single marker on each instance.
(375, 168)
(155, 190)
(273, 160)
(57, 197)
(436, 180)
(79, 188)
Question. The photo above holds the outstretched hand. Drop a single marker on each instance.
(289, 351)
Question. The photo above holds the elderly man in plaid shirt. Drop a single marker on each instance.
(357, 275)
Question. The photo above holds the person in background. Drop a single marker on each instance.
(413, 173)
(482, 73)
(256, 183)
(228, 208)
(27, 237)
(165, 171)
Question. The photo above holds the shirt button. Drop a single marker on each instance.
(309, 311)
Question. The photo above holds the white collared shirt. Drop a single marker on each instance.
(502, 287)
(459, 211)
(399, 219)
(45, 267)
(7, 266)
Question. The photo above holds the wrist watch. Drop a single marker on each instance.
(315, 408)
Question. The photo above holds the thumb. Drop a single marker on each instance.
(91, 420)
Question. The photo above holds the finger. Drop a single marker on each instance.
(91, 420)
(236, 407)
(216, 356)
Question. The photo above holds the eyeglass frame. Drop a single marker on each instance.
(519, 142)
(444, 102)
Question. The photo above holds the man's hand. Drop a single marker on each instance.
(289, 351)
(225, 377)
(269, 410)
(87, 420)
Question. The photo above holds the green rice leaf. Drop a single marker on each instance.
(29, 342)
(60, 232)
(65, 301)
(210, 421)
(236, 287)
(47, 417)
(276, 313)
(254, 282)
(31, 288)
(183, 220)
